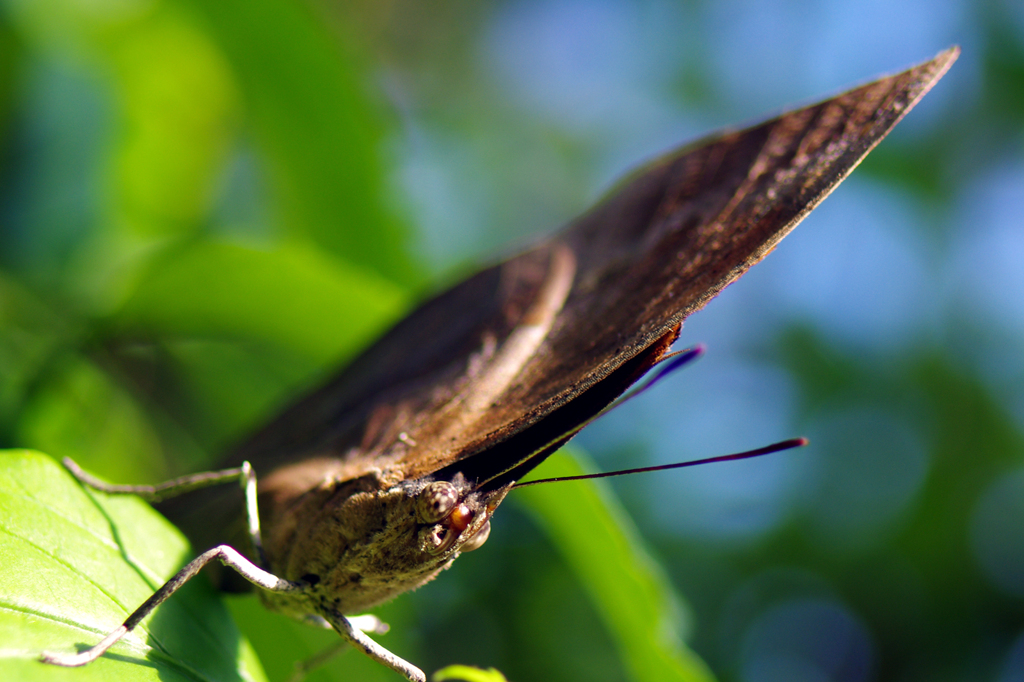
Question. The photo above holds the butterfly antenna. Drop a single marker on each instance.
(766, 450)
(667, 365)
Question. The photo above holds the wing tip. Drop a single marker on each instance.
(935, 68)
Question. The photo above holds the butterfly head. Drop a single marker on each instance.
(453, 516)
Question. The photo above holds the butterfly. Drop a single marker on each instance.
(375, 482)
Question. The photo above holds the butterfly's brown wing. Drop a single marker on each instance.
(516, 343)
(680, 231)
(665, 242)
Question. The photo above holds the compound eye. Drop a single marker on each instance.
(460, 518)
(436, 501)
(478, 538)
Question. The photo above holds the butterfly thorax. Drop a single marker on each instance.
(361, 541)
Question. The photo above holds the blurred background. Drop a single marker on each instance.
(206, 206)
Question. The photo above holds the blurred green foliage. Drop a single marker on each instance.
(200, 215)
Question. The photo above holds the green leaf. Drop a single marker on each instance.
(312, 119)
(31, 335)
(309, 303)
(601, 544)
(180, 110)
(76, 563)
(82, 413)
(468, 673)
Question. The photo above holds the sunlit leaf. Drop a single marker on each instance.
(76, 563)
(468, 673)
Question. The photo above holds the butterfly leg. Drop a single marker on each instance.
(225, 554)
(352, 631)
(358, 639)
(179, 486)
(367, 623)
(308, 665)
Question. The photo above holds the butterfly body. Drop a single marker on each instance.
(357, 543)
(375, 482)
(360, 529)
